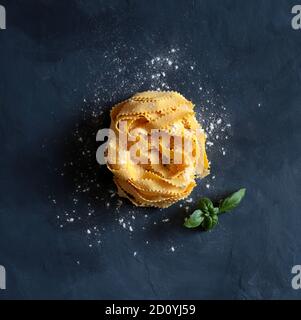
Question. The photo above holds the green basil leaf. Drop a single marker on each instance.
(215, 211)
(195, 219)
(214, 221)
(207, 215)
(232, 202)
(205, 204)
(210, 222)
(207, 223)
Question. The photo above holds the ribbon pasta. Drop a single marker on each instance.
(152, 183)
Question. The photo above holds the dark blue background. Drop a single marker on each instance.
(246, 47)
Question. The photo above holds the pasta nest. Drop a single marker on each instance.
(153, 183)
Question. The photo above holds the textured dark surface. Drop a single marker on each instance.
(49, 53)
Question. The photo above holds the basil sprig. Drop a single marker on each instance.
(207, 214)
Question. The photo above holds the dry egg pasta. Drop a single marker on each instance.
(169, 170)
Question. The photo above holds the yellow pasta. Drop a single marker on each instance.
(159, 181)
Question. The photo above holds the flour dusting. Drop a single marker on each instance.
(93, 203)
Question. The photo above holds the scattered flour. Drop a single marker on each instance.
(122, 78)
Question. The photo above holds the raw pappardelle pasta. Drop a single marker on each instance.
(159, 180)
